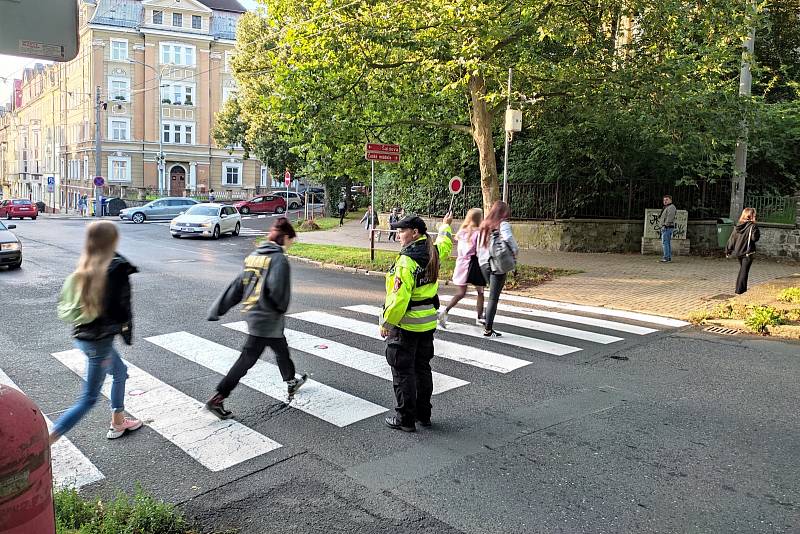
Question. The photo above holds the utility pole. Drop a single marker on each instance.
(98, 167)
(507, 134)
(740, 155)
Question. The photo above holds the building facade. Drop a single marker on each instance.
(155, 72)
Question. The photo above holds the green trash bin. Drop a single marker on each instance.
(724, 229)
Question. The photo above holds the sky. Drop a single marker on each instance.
(12, 66)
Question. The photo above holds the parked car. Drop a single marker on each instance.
(295, 200)
(209, 220)
(18, 208)
(10, 247)
(161, 209)
(263, 204)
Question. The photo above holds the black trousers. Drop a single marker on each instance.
(253, 347)
(744, 271)
(495, 282)
(409, 354)
(341, 217)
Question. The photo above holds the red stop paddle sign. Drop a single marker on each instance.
(456, 185)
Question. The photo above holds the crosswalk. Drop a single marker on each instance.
(559, 329)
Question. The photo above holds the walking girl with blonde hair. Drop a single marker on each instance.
(96, 301)
(742, 244)
(467, 270)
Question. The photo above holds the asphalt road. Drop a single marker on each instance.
(672, 430)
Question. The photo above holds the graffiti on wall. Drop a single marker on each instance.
(652, 224)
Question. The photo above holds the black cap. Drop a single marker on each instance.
(411, 221)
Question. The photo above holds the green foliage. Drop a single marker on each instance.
(790, 294)
(761, 318)
(141, 514)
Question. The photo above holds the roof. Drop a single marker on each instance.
(224, 5)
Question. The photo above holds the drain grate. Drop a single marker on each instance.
(721, 330)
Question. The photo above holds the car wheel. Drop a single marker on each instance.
(176, 236)
(215, 235)
(294, 206)
(33, 218)
(15, 266)
(279, 209)
(138, 218)
(245, 210)
(236, 230)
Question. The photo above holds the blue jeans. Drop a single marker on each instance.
(666, 242)
(102, 359)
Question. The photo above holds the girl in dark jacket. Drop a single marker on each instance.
(101, 281)
(742, 244)
(264, 287)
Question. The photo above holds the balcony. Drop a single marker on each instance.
(182, 110)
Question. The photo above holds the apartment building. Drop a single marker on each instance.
(163, 70)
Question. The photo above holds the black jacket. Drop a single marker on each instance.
(743, 240)
(117, 316)
(265, 287)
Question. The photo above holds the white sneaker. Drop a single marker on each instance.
(480, 322)
(129, 424)
(442, 319)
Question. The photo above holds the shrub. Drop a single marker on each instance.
(699, 316)
(761, 318)
(790, 294)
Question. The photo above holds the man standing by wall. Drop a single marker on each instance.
(667, 221)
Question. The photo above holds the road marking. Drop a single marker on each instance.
(321, 401)
(215, 444)
(444, 349)
(541, 327)
(71, 468)
(352, 357)
(558, 316)
(634, 316)
(507, 338)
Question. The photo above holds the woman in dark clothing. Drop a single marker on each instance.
(742, 244)
(264, 288)
(96, 300)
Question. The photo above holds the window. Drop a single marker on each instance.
(197, 22)
(119, 129)
(178, 133)
(119, 169)
(158, 17)
(119, 49)
(179, 93)
(177, 20)
(177, 54)
(85, 167)
(231, 174)
(118, 88)
(264, 177)
(228, 92)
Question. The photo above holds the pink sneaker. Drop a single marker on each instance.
(128, 425)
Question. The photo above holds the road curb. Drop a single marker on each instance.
(354, 270)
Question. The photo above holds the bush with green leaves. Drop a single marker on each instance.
(761, 318)
(790, 294)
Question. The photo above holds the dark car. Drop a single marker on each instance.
(10, 247)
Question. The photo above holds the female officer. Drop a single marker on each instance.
(409, 318)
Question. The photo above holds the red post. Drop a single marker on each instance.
(26, 478)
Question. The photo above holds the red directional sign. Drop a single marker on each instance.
(381, 152)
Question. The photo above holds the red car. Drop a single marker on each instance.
(18, 208)
(265, 204)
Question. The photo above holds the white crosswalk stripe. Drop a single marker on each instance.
(566, 317)
(508, 338)
(321, 401)
(634, 316)
(251, 232)
(71, 468)
(352, 357)
(213, 443)
(444, 349)
(539, 326)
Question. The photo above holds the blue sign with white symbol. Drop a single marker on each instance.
(51, 180)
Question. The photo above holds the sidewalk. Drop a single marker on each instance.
(624, 281)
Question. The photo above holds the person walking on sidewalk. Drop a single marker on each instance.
(742, 244)
(264, 287)
(497, 251)
(408, 321)
(467, 269)
(342, 207)
(96, 300)
(82, 204)
(667, 222)
(393, 218)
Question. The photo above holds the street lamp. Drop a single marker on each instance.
(161, 163)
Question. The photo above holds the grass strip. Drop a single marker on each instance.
(525, 276)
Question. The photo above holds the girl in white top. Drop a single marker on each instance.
(495, 221)
(467, 269)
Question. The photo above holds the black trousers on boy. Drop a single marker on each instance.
(253, 347)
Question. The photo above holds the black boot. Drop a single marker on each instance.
(214, 405)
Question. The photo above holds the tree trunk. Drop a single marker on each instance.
(481, 120)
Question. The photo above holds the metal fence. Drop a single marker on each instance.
(771, 209)
(567, 199)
